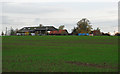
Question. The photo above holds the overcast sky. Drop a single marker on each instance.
(21, 14)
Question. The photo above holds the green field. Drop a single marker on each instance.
(59, 54)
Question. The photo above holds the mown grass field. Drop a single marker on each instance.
(59, 54)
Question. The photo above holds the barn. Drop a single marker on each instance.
(59, 32)
(40, 30)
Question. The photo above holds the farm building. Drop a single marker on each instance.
(59, 32)
(105, 34)
(96, 33)
(117, 34)
(40, 30)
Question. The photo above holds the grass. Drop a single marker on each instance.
(52, 53)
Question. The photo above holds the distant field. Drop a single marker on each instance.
(60, 54)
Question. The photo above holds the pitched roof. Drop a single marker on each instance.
(58, 31)
(48, 28)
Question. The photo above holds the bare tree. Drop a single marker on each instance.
(61, 27)
(40, 25)
(12, 32)
(83, 26)
(2, 33)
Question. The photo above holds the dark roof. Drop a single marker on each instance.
(48, 28)
(43, 28)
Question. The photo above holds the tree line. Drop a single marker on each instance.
(83, 26)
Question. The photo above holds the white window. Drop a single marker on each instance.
(48, 31)
(90, 34)
(18, 33)
(32, 34)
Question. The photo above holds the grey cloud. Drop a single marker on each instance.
(6, 20)
(107, 22)
(113, 12)
(45, 9)
(30, 8)
(58, 21)
(13, 21)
